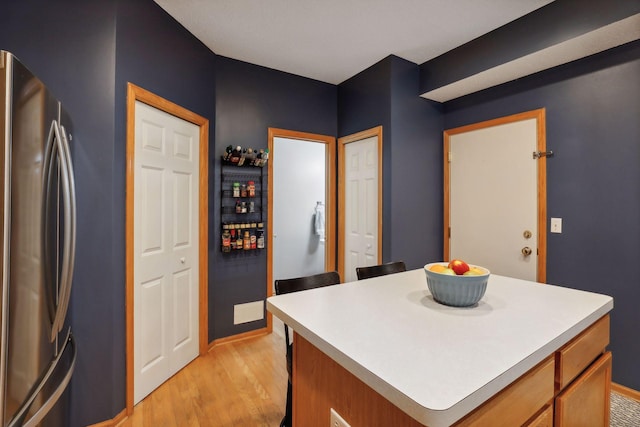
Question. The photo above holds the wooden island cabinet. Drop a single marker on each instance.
(574, 383)
(382, 352)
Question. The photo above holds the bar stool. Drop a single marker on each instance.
(285, 286)
(380, 270)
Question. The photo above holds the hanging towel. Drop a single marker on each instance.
(319, 220)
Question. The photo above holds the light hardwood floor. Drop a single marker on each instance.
(242, 383)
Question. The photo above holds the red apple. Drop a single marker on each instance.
(458, 266)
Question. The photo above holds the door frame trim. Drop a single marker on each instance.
(330, 211)
(136, 93)
(368, 133)
(540, 116)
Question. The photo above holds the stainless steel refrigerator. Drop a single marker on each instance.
(37, 236)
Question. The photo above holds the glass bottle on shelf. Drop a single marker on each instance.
(232, 237)
(260, 236)
(259, 157)
(251, 189)
(263, 156)
(226, 239)
(236, 189)
(238, 237)
(227, 153)
(246, 240)
(243, 156)
(235, 154)
(251, 157)
(252, 236)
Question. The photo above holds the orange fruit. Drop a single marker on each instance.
(438, 268)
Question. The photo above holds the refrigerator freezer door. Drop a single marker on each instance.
(49, 388)
(34, 257)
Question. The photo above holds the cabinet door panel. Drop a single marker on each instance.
(514, 405)
(543, 419)
(574, 357)
(585, 403)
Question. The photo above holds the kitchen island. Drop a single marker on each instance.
(381, 351)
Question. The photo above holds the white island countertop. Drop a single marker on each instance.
(434, 362)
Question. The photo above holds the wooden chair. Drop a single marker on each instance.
(285, 286)
(380, 270)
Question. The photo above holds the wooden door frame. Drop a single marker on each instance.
(539, 116)
(136, 93)
(330, 210)
(342, 191)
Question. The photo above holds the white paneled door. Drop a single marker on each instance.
(494, 198)
(165, 247)
(361, 205)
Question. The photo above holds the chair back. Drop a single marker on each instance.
(285, 286)
(380, 270)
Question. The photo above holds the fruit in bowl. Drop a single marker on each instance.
(456, 283)
(458, 266)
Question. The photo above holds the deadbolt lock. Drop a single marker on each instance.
(526, 251)
(527, 234)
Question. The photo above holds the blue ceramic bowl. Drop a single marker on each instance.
(456, 291)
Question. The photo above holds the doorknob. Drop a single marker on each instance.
(526, 251)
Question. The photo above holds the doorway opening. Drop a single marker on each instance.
(301, 192)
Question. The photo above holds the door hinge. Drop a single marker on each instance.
(449, 232)
(540, 154)
(449, 156)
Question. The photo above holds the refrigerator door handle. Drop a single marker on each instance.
(68, 202)
(51, 266)
(36, 418)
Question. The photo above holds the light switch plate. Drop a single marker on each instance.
(337, 420)
(556, 225)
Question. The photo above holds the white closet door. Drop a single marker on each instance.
(361, 203)
(165, 246)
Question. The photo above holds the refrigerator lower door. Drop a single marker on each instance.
(49, 388)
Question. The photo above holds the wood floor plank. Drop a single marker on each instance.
(241, 383)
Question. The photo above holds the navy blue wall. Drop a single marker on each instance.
(387, 94)
(364, 102)
(415, 197)
(249, 100)
(593, 180)
(74, 54)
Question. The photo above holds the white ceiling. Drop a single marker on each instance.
(332, 40)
